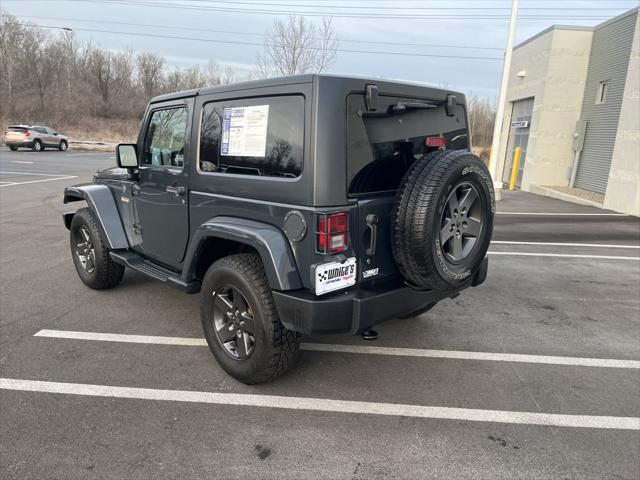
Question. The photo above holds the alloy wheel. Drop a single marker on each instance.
(85, 251)
(233, 322)
(461, 222)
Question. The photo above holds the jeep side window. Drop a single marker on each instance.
(165, 138)
(284, 146)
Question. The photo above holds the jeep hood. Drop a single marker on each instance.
(113, 173)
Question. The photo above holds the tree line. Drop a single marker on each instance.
(54, 78)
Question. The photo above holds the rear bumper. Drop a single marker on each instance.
(9, 143)
(357, 310)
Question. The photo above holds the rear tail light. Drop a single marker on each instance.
(333, 232)
(436, 142)
(26, 133)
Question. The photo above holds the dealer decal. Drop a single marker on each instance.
(335, 275)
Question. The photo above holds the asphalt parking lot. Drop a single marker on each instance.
(535, 374)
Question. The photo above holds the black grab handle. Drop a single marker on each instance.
(372, 223)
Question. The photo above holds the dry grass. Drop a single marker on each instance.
(482, 152)
(102, 130)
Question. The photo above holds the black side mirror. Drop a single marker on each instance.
(127, 157)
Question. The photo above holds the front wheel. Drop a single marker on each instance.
(241, 323)
(63, 146)
(91, 254)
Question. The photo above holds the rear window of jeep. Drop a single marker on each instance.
(382, 145)
(257, 136)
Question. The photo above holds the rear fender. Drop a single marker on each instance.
(100, 200)
(267, 240)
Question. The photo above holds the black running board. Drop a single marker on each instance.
(136, 262)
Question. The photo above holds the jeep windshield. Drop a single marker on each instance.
(383, 144)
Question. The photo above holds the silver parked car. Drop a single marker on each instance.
(34, 137)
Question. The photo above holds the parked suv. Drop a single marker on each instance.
(37, 138)
(301, 205)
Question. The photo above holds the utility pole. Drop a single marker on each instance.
(497, 128)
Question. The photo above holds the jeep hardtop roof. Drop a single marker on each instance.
(292, 80)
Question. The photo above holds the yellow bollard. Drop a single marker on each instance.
(514, 169)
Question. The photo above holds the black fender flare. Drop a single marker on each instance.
(101, 202)
(267, 240)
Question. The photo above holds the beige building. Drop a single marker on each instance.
(573, 107)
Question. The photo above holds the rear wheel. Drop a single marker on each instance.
(37, 146)
(241, 323)
(63, 146)
(91, 254)
(13, 149)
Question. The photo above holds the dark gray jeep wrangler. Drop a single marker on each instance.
(302, 205)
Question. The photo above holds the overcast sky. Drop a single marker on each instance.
(245, 21)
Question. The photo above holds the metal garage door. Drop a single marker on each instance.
(518, 137)
(603, 94)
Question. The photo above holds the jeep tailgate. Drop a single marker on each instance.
(373, 243)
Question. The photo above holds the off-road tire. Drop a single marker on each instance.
(63, 146)
(417, 214)
(37, 146)
(276, 348)
(107, 273)
(13, 149)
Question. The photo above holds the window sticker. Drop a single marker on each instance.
(244, 131)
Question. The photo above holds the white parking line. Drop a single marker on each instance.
(563, 255)
(563, 244)
(117, 337)
(31, 173)
(39, 181)
(21, 161)
(565, 214)
(326, 405)
(325, 347)
(86, 154)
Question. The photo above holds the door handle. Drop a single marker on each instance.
(177, 191)
(372, 224)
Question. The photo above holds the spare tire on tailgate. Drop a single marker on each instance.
(442, 219)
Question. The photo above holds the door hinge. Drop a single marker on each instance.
(137, 229)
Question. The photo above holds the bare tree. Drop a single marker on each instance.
(173, 81)
(481, 118)
(11, 35)
(149, 69)
(229, 76)
(40, 64)
(111, 73)
(297, 46)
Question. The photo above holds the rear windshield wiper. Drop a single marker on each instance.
(400, 108)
